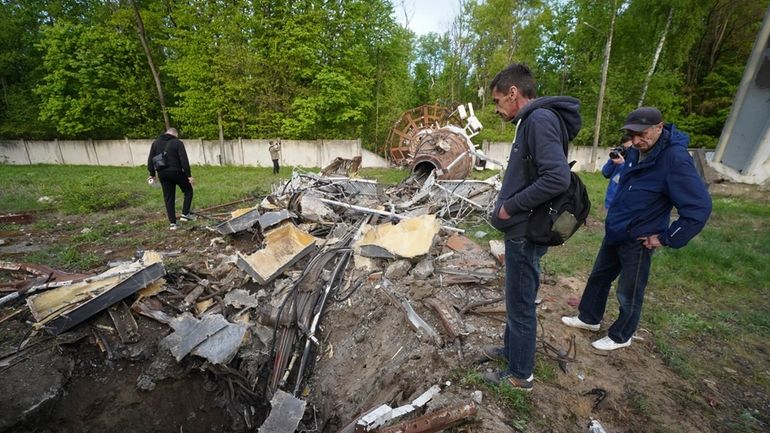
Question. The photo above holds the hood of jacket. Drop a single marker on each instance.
(566, 106)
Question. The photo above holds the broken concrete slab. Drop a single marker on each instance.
(283, 247)
(285, 415)
(242, 219)
(410, 237)
(61, 309)
(398, 270)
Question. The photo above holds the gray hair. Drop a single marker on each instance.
(172, 131)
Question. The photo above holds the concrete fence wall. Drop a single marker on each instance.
(133, 152)
(248, 152)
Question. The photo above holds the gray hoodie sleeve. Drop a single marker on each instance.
(543, 139)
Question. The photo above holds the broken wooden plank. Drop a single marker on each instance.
(124, 321)
(449, 317)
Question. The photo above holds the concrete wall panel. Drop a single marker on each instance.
(78, 152)
(372, 160)
(112, 152)
(301, 153)
(256, 153)
(339, 149)
(44, 152)
(13, 152)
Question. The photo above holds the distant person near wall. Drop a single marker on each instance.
(275, 155)
(168, 159)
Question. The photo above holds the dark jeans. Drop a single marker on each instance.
(630, 260)
(276, 167)
(169, 180)
(522, 279)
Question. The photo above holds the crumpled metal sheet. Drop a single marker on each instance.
(238, 223)
(285, 415)
(211, 337)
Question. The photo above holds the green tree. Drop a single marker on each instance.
(94, 82)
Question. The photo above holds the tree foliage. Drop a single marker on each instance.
(345, 69)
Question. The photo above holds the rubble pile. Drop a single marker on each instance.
(306, 279)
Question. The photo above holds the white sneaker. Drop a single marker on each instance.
(606, 343)
(172, 227)
(185, 217)
(575, 322)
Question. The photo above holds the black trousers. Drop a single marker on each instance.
(169, 180)
(276, 167)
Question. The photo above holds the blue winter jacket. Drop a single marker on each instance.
(648, 191)
(612, 172)
(539, 135)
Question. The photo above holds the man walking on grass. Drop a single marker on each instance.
(169, 159)
(658, 175)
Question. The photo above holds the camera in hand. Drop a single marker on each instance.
(617, 152)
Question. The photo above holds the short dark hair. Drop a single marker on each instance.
(516, 74)
(625, 138)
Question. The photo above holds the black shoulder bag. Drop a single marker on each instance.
(556, 220)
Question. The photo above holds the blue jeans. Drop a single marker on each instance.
(631, 260)
(522, 279)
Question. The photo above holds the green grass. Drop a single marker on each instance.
(514, 401)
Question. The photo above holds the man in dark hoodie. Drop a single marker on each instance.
(537, 171)
(175, 173)
(658, 175)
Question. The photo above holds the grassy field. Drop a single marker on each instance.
(707, 304)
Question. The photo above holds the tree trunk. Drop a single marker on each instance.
(155, 75)
(602, 88)
(655, 58)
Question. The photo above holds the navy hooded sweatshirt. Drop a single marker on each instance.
(648, 190)
(539, 134)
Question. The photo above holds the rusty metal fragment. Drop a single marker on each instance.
(17, 218)
(342, 166)
(435, 421)
(431, 139)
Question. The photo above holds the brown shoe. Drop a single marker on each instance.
(494, 353)
(496, 378)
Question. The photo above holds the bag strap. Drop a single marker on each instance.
(531, 170)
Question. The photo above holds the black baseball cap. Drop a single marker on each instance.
(642, 118)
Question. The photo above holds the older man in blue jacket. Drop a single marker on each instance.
(659, 175)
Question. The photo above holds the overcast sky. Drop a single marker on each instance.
(427, 15)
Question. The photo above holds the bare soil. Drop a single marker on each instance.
(369, 356)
